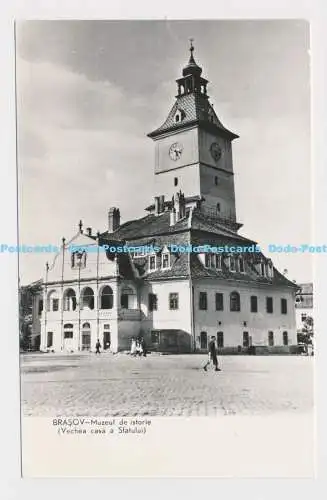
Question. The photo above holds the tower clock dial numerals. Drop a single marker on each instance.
(215, 151)
(175, 151)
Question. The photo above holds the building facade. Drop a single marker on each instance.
(176, 299)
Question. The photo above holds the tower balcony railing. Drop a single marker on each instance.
(226, 218)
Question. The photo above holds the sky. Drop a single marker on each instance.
(89, 92)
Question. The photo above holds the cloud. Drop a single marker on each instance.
(77, 141)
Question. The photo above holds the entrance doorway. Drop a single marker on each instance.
(203, 340)
(68, 337)
(106, 337)
(86, 337)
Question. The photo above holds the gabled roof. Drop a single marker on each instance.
(196, 110)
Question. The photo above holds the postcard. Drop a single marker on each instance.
(166, 288)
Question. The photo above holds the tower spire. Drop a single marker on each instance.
(191, 50)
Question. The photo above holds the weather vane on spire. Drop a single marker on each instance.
(191, 44)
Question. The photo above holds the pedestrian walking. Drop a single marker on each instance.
(97, 347)
(133, 346)
(144, 348)
(212, 353)
(139, 349)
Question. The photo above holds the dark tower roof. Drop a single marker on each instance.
(192, 103)
(192, 68)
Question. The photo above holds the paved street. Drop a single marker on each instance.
(118, 385)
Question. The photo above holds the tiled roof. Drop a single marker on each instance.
(152, 225)
(199, 229)
(196, 108)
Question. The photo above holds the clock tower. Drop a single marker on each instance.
(193, 150)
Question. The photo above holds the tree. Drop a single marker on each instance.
(306, 335)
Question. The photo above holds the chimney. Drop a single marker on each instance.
(113, 219)
(172, 220)
(161, 204)
(156, 205)
(89, 231)
(179, 205)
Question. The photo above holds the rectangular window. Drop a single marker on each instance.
(152, 262)
(106, 327)
(269, 305)
(254, 304)
(173, 301)
(203, 301)
(175, 181)
(55, 304)
(232, 264)
(283, 305)
(165, 260)
(246, 339)
(153, 302)
(241, 264)
(303, 316)
(220, 339)
(270, 338)
(40, 307)
(285, 338)
(68, 334)
(219, 301)
(155, 337)
(262, 269)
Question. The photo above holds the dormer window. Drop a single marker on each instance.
(152, 263)
(212, 260)
(217, 261)
(262, 269)
(179, 116)
(241, 264)
(165, 260)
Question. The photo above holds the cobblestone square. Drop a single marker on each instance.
(119, 385)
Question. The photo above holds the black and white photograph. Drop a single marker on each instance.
(165, 222)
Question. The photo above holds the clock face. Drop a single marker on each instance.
(175, 151)
(215, 151)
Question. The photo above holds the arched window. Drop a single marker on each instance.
(86, 337)
(106, 298)
(69, 299)
(235, 302)
(128, 298)
(53, 301)
(203, 340)
(87, 298)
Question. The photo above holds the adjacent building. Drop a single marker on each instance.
(175, 299)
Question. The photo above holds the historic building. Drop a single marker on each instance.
(175, 299)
